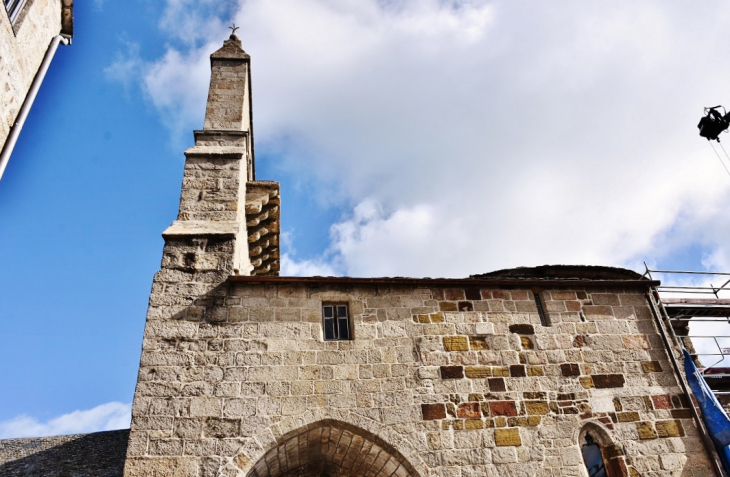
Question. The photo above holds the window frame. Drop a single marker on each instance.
(338, 319)
(13, 9)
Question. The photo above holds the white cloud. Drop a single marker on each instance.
(105, 417)
(471, 136)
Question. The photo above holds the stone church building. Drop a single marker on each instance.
(546, 371)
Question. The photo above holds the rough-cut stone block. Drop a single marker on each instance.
(496, 385)
(472, 293)
(651, 366)
(507, 437)
(473, 424)
(646, 430)
(484, 328)
(636, 342)
(215, 427)
(522, 329)
(517, 371)
(431, 412)
(477, 343)
(602, 381)
(536, 407)
(526, 343)
(629, 416)
(436, 317)
(502, 408)
(478, 372)
(669, 429)
(456, 343)
(535, 371)
(452, 372)
(586, 382)
(454, 294)
(570, 369)
(681, 414)
(447, 306)
(469, 410)
(661, 401)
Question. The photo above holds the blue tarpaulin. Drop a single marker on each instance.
(713, 415)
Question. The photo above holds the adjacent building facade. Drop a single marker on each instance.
(30, 31)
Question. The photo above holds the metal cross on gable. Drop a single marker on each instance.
(233, 28)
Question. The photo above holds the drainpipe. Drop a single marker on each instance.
(23, 114)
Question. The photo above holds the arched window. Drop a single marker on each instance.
(593, 457)
(601, 457)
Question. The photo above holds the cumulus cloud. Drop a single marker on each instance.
(466, 136)
(105, 417)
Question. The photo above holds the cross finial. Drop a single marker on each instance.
(233, 29)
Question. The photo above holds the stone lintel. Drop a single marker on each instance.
(201, 227)
(214, 137)
(222, 152)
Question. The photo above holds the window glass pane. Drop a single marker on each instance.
(329, 329)
(344, 328)
(594, 461)
(328, 311)
(342, 311)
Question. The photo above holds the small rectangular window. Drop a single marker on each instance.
(336, 322)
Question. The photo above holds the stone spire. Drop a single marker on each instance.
(220, 199)
(228, 114)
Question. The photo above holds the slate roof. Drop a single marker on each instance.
(100, 454)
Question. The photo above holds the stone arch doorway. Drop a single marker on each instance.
(332, 448)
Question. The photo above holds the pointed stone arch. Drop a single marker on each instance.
(331, 448)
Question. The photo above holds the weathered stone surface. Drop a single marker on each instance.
(433, 411)
(452, 372)
(507, 437)
(522, 329)
(601, 381)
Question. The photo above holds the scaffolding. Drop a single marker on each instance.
(686, 302)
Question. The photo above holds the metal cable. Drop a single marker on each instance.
(720, 158)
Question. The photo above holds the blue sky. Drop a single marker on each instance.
(410, 138)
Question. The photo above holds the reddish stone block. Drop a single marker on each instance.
(608, 380)
(517, 371)
(465, 306)
(570, 369)
(502, 408)
(468, 410)
(454, 294)
(662, 401)
(452, 372)
(496, 385)
(433, 411)
(522, 329)
(472, 294)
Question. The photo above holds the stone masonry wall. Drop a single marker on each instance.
(438, 381)
(21, 54)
